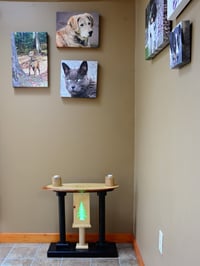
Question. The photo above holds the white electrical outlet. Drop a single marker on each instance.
(160, 242)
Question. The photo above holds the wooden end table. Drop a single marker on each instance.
(64, 248)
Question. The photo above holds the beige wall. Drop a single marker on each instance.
(42, 134)
(167, 150)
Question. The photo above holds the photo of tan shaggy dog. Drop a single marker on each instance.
(77, 32)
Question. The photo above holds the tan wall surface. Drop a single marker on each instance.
(42, 134)
(167, 150)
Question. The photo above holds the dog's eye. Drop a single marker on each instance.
(81, 25)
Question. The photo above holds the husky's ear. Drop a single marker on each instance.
(66, 68)
(83, 68)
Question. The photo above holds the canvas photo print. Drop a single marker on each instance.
(157, 28)
(77, 29)
(180, 45)
(174, 8)
(78, 79)
(29, 59)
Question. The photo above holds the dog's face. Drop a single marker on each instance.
(82, 24)
(153, 12)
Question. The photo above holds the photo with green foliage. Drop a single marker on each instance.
(29, 59)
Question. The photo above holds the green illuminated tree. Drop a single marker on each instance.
(82, 215)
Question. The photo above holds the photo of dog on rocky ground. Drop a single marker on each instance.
(29, 59)
(77, 29)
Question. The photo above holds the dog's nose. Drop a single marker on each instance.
(90, 33)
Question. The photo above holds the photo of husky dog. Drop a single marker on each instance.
(176, 45)
(180, 45)
(77, 81)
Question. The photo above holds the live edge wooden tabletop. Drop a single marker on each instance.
(80, 187)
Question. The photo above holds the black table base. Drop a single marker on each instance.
(94, 250)
(64, 248)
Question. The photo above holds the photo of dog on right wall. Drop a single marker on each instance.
(180, 45)
(77, 29)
